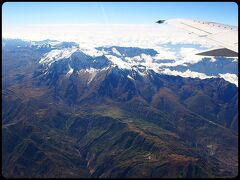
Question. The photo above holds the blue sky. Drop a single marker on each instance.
(19, 14)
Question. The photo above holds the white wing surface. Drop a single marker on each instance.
(225, 36)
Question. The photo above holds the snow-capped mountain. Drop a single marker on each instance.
(75, 58)
(79, 73)
(92, 111)
(56, 52)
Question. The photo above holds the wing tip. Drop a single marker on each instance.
(160, 21)
(219, 52)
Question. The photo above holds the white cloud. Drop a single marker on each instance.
(117, 61)
(189, 55)
(232, 78)
(129, 35)
(139, 35)
(132, 35)
(187, 73)
(165, 53)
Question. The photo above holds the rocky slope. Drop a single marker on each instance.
(70, 114)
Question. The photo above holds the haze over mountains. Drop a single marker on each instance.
(116, 111)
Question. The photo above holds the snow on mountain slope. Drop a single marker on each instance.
(131, 57)
(232, 78)
(57, 54)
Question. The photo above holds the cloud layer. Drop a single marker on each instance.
(163, 38)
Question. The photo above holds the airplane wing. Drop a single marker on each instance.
(222, 35)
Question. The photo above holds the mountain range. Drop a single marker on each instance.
(115, 111)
